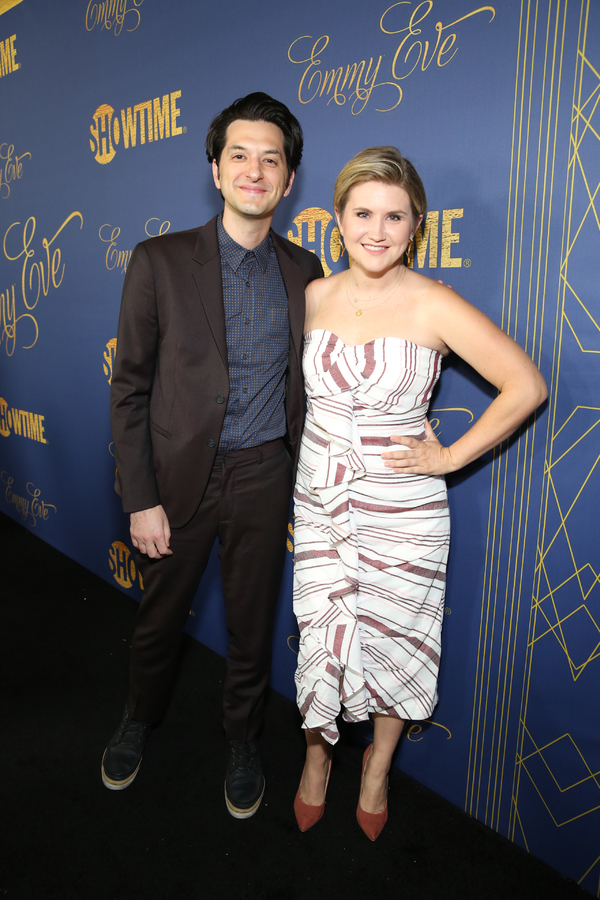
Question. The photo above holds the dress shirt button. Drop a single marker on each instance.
(245, 356)
(210, 443)
(246, 321)
(220, 399)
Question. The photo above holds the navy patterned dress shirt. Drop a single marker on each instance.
(258, 339)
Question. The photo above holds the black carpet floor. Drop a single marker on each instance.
(63, 660)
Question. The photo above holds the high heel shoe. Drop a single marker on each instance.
(371, 823)
(307, 815)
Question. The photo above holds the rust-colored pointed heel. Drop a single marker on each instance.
(371, 823)
(307, 815)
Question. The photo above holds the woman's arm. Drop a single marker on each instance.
(498, 359)
(313, 294)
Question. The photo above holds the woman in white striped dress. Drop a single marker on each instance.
(372, 525)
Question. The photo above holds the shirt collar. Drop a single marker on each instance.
(234, 254)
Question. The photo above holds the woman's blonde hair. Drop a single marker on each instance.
(383, 164)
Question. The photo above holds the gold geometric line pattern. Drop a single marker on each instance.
(581, 347)
(559, 824)
(587, 872)
(579, 439)
(566, 422)
(553, 628)
(504, 610)
(533, 154)
(515, 815)
(497, 483)
(518, 819)
(590, 206)
(563, 518)
(584, 308)
(5, 5)
(588, 121)
(545, 618)
(592, 776)
(578, 108)
(540, 751)
(559, 621)
(582, 304)
(576, 574)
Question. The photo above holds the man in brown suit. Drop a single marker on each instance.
(207, 408)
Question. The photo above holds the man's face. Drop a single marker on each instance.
(252, 171)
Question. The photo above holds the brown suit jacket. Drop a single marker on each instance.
(170, 381)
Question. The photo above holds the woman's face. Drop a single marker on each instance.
(377, 225)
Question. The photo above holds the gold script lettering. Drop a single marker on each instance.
(414, 730)
(115, 258)
(32, 509)
(39, 508)
(11, 168)
(416, 52)
(42, 276)
(314, 82)
(9, 321)
(111, 15)
(36, 279)
(356, 81)
(162, 228)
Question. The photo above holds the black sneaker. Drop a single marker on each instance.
(123, 756)
(244, 781)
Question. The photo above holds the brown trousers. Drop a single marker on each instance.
(245, 506)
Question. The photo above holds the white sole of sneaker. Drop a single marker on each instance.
(242, 813)
(117, 785)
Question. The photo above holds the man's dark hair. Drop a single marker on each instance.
(257, 107)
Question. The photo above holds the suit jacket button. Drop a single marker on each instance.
(220, 399)
(210, 443)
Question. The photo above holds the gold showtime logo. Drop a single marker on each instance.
(156, 119)
(311, 217)
(109, 358)
(17, 421)
(427, 247)
(122, 565)
(8, 53)
(427, 240)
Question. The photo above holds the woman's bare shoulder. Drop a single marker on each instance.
(321, 287)
(429, 288)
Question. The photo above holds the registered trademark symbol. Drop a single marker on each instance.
(466, 263)
(185, 129)
(447, 610)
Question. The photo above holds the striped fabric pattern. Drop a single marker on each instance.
(370, 545)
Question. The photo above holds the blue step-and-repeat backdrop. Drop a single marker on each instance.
(104, 111)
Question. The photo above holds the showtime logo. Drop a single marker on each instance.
(122, 565)
(154, 119)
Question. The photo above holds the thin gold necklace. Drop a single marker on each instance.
(354, 301)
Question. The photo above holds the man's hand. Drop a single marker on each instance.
(426, 457)
(150, 532)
